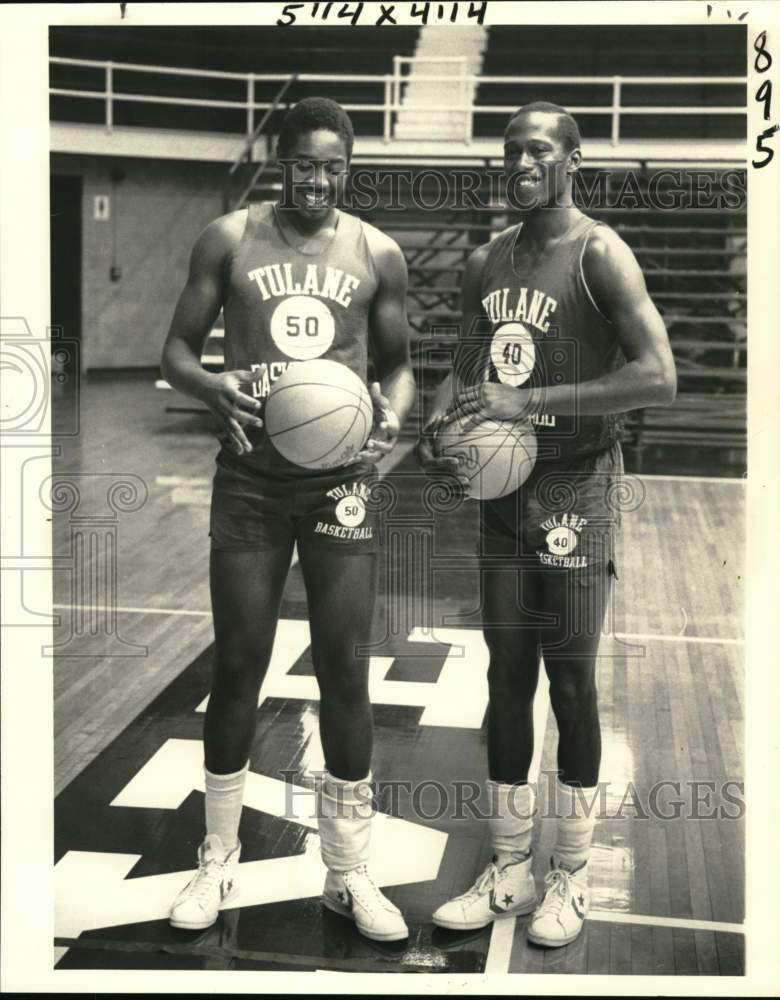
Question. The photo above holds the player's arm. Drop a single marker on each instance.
(467, 355)
(649, 376)
(196, 311)
(393, 393)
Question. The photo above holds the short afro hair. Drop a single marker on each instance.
(310, 114)
(568, 130)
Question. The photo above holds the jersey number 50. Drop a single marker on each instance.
(311, 326)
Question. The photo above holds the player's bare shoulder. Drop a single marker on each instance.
(611, 271)
(222, 236)
(475, 264)
(384, 248)
(606, 249)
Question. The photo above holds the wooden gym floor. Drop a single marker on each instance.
(130, 684)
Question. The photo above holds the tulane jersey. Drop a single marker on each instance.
(545, 330)
(284, 306)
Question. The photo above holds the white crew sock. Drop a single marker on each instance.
(344, 811)
(511, 821)
(224, 800)
(574, 825)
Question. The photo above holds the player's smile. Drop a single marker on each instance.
(535, 161)
(315, 199)
(528, 180)
(318, 165)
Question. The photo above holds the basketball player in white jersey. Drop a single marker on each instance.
(557, 329)
(297, 280)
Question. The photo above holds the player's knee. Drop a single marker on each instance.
(345, 682)
(509, 680)
(572, 692)
(237, 675)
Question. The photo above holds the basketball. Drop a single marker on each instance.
(318, 414)
(496, 455)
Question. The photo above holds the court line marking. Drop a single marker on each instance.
(681, 923)
(503, 933)
(133, 611)
(649, 637)
(688, 479)
(642, 636)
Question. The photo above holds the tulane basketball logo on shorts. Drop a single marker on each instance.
(350, 513)
(563, 534)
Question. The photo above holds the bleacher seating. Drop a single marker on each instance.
(609, 50)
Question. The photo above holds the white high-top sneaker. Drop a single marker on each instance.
(498, 892)
(354, 894)
(198, 904)
(562, 912)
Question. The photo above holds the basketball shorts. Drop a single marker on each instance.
(562, 521)
(331, 512)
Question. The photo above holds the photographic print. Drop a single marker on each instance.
(379, 443)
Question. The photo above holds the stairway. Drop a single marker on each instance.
(455, 53)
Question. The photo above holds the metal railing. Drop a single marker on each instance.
(246, 152)
(393, 96)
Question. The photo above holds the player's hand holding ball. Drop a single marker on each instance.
(432, 463)
(491, 401)
(232, 408)
(385, 431)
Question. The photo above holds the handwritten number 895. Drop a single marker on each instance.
(763, 62)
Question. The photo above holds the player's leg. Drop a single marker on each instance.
(570, 649)
(341, 580)
(511, 632)
(252, 544)
(512, 637)
(246, 591)
(341, 590)
(577, 591)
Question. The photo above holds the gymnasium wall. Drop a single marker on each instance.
(156, 213)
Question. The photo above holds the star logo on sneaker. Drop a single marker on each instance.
(345, 898)
(508, 899)
(224, 888)
(495, 907)
(581, 900)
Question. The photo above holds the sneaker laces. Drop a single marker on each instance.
(559, 892)
(210, 874)
(370, 884)
(485, 882)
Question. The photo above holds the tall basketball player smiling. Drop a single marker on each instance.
(297, 279)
